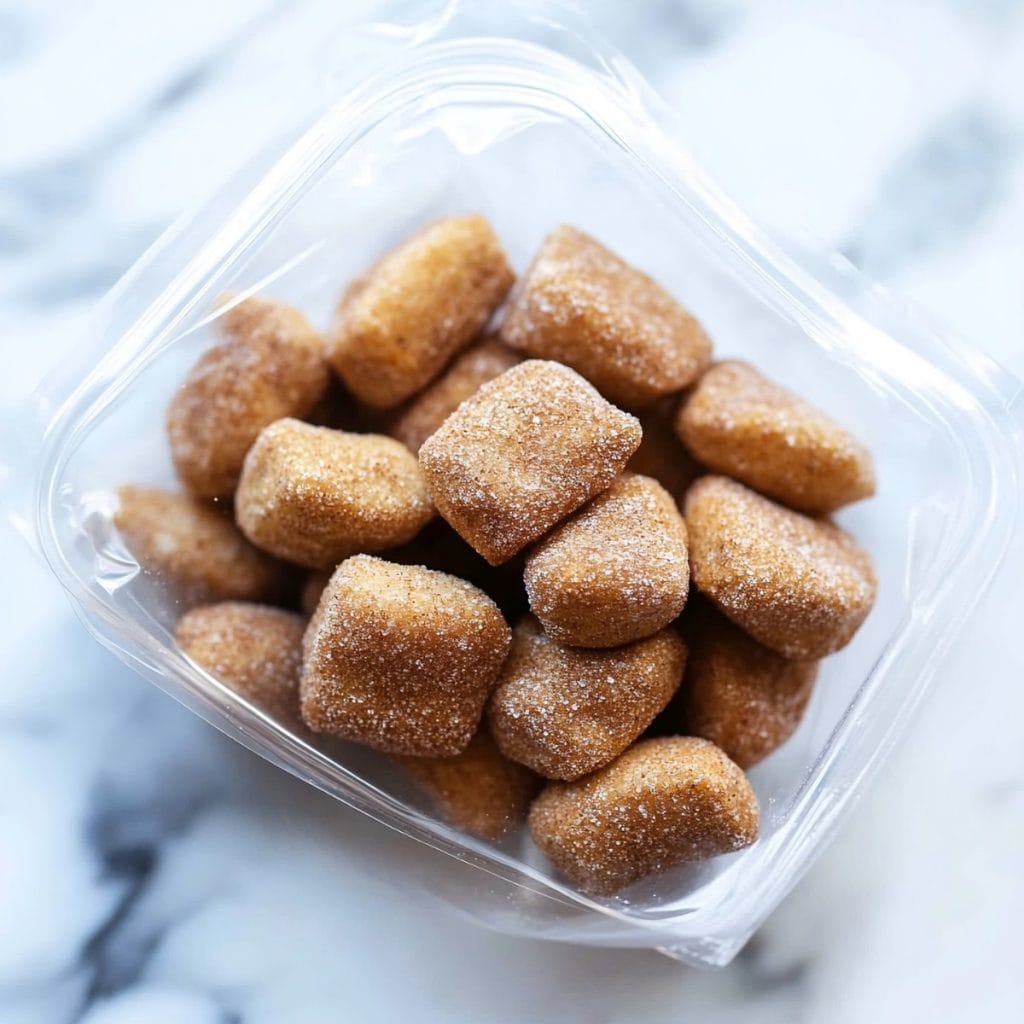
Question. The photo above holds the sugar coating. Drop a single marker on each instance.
(254, 649)
(398, 325)
(661, 454)
(525, 451)
(737, 693)
(564, 711)
(194, 547)
(616, 571)
(581, 304)
(314, 496)
(479, 790)
(429, 409)
(741, 424)
(665, 801)
(401, 658)
(800, 586)
(270, 364)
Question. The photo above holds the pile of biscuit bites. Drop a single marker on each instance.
(499, 533)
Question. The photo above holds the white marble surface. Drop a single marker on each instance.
(151, 871)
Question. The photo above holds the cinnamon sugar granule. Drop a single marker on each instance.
(800, 586)
(581, 304)
(479, 790)
(429, 409)
(740, 424)
(737, 693)
(270, 364)
(661, 454)
(401, 658)
(314, 496)
(665, 801)
(524, 452)
(398, 325)
(614, 572)
(193, 547)
(565, 711)
(254, 649)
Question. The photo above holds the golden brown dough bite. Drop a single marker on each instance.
(584, 306)
(665, 801)
(401, 658)
(614, 572)
(479, 790)
(254, 649)
(740, 424)
(432, 406)
(314, 496)
(800, 586)
(194, 548)
(398, 325)
(525, 451)
(564, 711)
(737, 693)
(661, 454)
(270, 364)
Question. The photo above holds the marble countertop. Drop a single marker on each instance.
(152, 871)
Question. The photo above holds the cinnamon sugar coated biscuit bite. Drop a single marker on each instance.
(479, 790)
(314, 496)
(270, 364)
(251, 648)
(398, 325)
(739, 423)
(737, 693)
(194, 548)
(581, 304)
(614, 572)
(428, 410)
(800, 586)
(564, 711)
(666, 801)
(525, 451)
(401, 658)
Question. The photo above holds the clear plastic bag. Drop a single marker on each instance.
(542, 126)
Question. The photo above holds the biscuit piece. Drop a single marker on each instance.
(740, 424)
(800, 586)
(315, 496)
(251, 648)
(737, 693)
(401, 658)
(271, 364)
(398, 325)
(666, 801)
(194, 548)
(429, 409)
(616, 571)
(584, 306)
(564, 711)
(661, 454)
(525, 451)
(479, 790)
